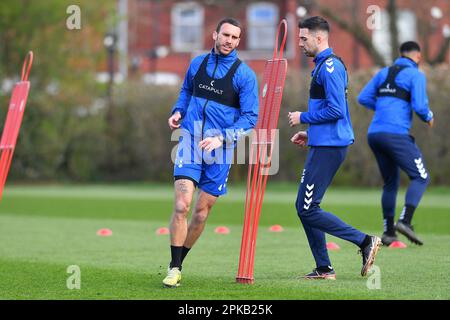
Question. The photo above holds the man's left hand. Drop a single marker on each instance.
(300, 138)
(294, 118)
(211, 143)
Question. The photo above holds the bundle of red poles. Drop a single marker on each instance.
(261, 151)
(14, 120)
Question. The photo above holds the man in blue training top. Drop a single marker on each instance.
(218, 103)
(394, 93)
(328, 137)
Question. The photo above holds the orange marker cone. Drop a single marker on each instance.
(333, 246)
(162, 231)
(222, 230)
(104, 232)
(397, 245)
(276, 228)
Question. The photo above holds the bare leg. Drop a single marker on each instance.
(184, 190)
(203, 206)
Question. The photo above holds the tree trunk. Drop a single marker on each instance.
(440, 57)
(392, 12)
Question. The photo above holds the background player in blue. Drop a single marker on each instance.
(394, 93)
(218, 103)
(329, 134)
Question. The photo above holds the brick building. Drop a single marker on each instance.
(159, 38)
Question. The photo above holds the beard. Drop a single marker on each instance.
(309, 54)
(219, 49)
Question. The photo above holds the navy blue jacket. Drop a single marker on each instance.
(394, 115)
(329, 118)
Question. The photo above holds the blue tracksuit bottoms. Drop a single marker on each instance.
(321, 165)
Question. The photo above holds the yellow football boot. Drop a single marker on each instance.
(173, 278)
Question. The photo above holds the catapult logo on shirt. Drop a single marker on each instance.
(210, 88)
(388, 89)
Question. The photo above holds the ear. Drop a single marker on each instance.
(237, 43)
(419, 56)
(214, 35)
(319, 38)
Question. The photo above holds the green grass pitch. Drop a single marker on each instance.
(45, 229)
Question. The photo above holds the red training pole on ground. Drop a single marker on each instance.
(14, 120)
(261, 149)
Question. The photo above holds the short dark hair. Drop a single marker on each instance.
(409, 46)
(314, 24)
(232, 21)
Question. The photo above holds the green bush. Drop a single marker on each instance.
(74, 136)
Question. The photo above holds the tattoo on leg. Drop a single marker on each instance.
(182, 187)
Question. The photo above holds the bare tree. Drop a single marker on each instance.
(358, 30)
(393, 30)
(440, 57)
(427, 28)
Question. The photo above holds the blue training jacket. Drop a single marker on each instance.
(219, 119)
(329, 118)
(394, 115)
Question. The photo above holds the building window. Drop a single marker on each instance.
(187, 26)
(381, 37)
(262, 19)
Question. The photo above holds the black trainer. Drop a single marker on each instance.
(316, 274)
(408, 231)
(368, 254)
(387, 238)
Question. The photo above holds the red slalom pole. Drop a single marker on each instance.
(14, 120)
(261, 146)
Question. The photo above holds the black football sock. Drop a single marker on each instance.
(325, 268)
(176, 257)
(407, 214)
(389, 228)
(184, 253)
